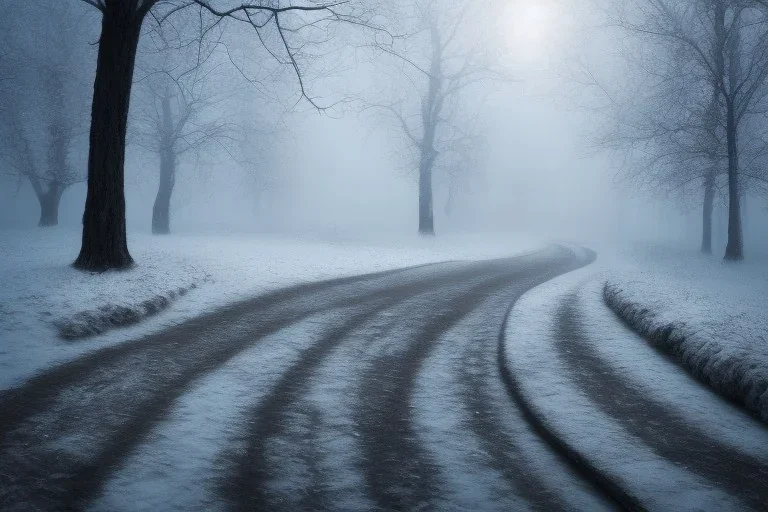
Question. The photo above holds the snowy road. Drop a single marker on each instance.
(381, 392)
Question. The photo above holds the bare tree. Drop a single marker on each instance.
(42, 101)
(104, 243)
(463, 157)
(439, 60)
(711, 146)
(181, 112)
(668, 139)
(727, 40)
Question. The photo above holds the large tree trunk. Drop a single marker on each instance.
(161, 212)
(104, 244)
(734, 251)
(49, 206)
(709, 204)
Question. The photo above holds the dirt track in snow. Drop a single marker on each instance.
(388, 396)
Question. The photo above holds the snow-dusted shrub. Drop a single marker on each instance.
(725, 366)
(109, 316)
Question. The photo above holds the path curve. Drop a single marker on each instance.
(350, 409)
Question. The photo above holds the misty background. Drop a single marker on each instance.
(341, 174)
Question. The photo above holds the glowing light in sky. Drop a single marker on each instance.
(533, 28)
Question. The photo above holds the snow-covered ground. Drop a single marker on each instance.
(39, 290)
(566, 376)
(712, 316)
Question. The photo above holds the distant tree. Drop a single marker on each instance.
(43, 99)
(667, 136)
(463, 158)
(439, 60)
(180, 109)
(727, 42)
(283, 27)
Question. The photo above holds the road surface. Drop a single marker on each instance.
(379, 392)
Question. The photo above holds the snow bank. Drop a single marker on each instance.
(654, 375)
(43, 298)
(711, 317)
(729, 365)
(92, 322)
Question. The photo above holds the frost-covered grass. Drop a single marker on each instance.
(710, 316)
(109, 316)
(43, 298)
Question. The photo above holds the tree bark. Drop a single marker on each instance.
(431, 107)
(49, 206)
(709, 204)
(730, 45)
(104, 243)
(426, 218)
(734, 251)
(161, 212)
(426, 166)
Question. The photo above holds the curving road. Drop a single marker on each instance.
(379, 392)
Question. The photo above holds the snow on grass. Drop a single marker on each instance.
(38, 288)
(710, 316)
(594, 440)
(657, 376)
(106, 317)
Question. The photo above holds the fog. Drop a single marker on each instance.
(533, 165)
(340, 172)
(537, 177)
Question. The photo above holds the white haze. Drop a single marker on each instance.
(337, 175)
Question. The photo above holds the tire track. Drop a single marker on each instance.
(331, 444)
(65, 432)
(484, 418)
(571, 457)
(399, 472)
(126, 390)
(23, 401)
(177, 466)
(247, 487)
(490, 458)
(664, 431)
